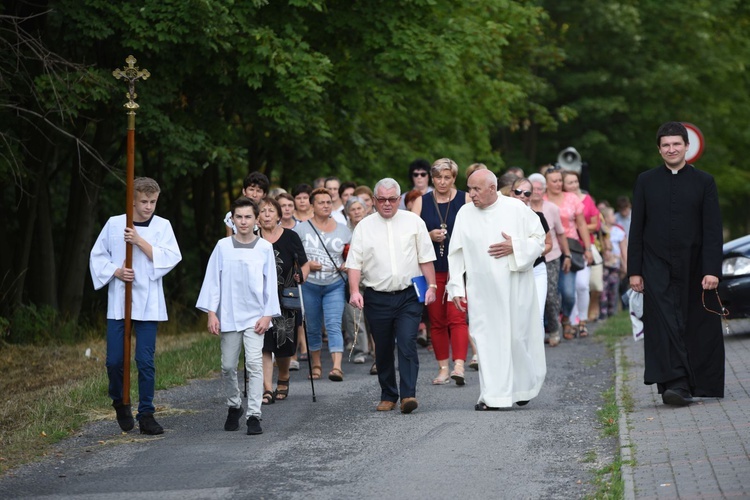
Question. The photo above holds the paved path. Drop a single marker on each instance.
(700, 451)
(339, 447)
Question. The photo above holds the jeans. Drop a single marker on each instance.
(566, 283)
(324, 303)
(145, 346)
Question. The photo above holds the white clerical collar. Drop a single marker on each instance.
(496, 201)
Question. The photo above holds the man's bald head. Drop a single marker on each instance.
(482, 188)
(486, 175)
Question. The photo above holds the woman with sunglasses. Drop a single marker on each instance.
(574, 223)
(419, 175)
(521, 189)
(448, 325)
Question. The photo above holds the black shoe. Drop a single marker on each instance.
(522, 403)
(484, 407)
(253, 426)
(149, 425)
(233, 419)
(676, 397)
(124, 416)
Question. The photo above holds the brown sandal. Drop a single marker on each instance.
(569, 331)
(281, 394)
(582, 330)
(317, 371)
(336, 375)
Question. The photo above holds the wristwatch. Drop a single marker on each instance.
(433, 285)
(567, 256)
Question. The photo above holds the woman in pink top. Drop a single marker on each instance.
(571, 214)
(579, 315)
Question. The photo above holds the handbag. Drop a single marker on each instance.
(347, 293)
(577, 261)
(289, 295)
(290, 298)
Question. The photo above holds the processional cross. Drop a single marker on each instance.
(130, 74)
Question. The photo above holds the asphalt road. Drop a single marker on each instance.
(340, 447)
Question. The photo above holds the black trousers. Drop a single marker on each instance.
(394, 320)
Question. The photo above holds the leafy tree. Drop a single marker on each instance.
(630, 66)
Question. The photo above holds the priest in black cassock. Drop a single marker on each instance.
(674, 254)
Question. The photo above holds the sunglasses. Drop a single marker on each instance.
(552, 169)
(419, 174)
(520, 192)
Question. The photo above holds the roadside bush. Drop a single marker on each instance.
(31, 324)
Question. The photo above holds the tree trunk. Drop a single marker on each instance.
(37, 172)
(42, 275)
(85, 186)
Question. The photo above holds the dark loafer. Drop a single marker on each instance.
(676, 397)
(408, 405)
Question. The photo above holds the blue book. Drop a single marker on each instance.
(420, 286)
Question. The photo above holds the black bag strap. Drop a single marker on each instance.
(326, 249)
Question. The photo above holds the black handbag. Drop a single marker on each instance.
(290, 298)
(577, 262)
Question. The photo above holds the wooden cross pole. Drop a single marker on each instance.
(130, 74)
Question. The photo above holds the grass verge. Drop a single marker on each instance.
(49, 392)
(608, 479)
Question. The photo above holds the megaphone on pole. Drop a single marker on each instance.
(570, 159)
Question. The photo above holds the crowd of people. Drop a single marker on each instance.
(502, 268)
(312, 230)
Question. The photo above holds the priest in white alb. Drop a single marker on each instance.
(494, 244)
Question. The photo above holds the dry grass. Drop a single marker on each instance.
(50, 391)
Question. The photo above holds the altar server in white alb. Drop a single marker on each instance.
(495, 242)
(155, 253)
(240, 295)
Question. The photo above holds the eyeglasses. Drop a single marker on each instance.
(390, 200)
(419, 174)
(724, 311)
(520, 192)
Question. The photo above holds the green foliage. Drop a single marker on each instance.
(35, 324)
(305, 88)
(628, 68)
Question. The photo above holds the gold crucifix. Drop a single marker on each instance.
(130, 74)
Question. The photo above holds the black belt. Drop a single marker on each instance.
(393, 293)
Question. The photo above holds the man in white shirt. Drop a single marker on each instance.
(388, 250)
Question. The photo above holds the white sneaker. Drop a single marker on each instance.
(294, 365)
(360, 359)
